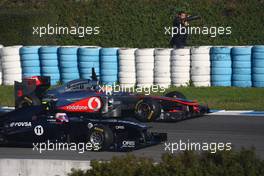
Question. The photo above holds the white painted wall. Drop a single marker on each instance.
(37, 167)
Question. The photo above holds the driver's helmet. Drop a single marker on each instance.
(61, 117)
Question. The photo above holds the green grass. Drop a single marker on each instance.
(229, 98)
(130, 23)
(7, 96)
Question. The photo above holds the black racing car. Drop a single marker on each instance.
(34, 125)
(87, 97)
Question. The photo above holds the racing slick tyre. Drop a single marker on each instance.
(175, 94)
(101, 136)
(181, 51)
(126, 52)
(26, 101)
(145, 52)
(109, 51)
(200, 50)
(162, 51)
(11, 51)
(89, 51)
(126, 62)
(147, 110)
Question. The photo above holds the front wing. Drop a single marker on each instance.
(152, 138)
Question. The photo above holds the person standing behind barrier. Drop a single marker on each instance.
(179, 38)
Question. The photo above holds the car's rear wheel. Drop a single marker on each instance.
(101, 137)
(147, 110)
(26, 101)
(175, 94)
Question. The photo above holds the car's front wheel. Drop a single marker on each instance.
(147, 110)
(101, 137)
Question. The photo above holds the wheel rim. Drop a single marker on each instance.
(96, 138)
(144, 110)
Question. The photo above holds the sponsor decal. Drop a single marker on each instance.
(120, 127)
(28, 99)
(39, 130)
(90, 125)
(91, 104)
(20, 124)
(98, 129)
(77, 107)
(94, 103)
(128, 144)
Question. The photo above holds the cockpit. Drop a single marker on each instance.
(82, 84)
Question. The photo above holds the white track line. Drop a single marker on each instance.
(7, 107)
(237, 113)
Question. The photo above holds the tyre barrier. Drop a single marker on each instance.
(241, 66)
(109, 65)
(221, 66)
(30, 62)
(88, 58)
(48, 56)
(180, 67)
(228, 66)
(67, 57)
(162, 74)
(258, 66)
(144, 67)
(11, 65)
(127, 67)
(200, 66)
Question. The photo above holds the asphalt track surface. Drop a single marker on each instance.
(241, 131)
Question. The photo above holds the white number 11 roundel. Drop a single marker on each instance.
(94, 103)
(39, 130)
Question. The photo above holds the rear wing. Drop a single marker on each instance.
(34, 86)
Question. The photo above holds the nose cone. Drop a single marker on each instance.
(204, 109)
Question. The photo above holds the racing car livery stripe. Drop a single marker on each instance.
(191, 103)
